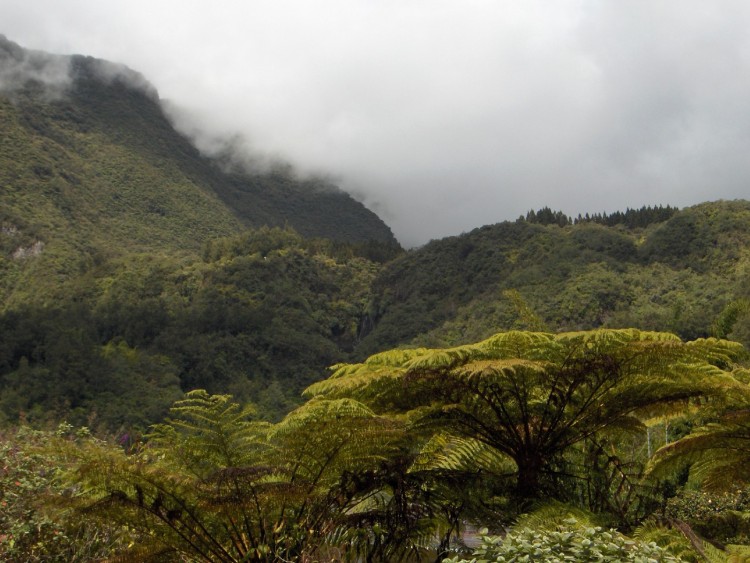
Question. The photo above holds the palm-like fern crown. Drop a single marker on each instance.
(538, 393)
(214, 484)
(206, 433)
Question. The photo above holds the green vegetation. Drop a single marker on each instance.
(260, 315)
(537, 398)
(173, 317)
(95, 170)
(32, 531)
(571, 543)
(678, 276)
(630, 218)
(397, 458)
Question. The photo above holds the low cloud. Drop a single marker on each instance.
(444, 116)
(19, 68)
(230, 148)
(110, 72)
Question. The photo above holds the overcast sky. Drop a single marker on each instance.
(445, 115)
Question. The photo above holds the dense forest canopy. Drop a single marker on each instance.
(167, 321)
(262, 314)
(393, 458)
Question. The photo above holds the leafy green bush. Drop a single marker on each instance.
(30, 530)
(720, 517)
(567, 543)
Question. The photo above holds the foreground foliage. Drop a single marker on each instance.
(391, 459)
(567, 543)
(215, 485)
(544, 400)
(31, 531)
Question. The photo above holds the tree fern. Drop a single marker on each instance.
(674, 540)
(206, 432)
(718, 453)
(533, 395)
(214, 485)
(446, 452)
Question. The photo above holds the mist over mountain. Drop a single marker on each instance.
(442, 118)
(92, 166)
(209, 352)
(127, 244)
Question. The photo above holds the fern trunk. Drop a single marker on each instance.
(530, 466)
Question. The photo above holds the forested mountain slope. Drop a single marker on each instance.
(259, 315)
(682, 275)
(128, 273)
(90, 168)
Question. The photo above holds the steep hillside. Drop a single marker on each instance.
(90, 167)
(260, 315)
(677, 275)
(128, 268)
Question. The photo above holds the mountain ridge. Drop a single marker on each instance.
(127, 257)
(677, 274)
(91, 166)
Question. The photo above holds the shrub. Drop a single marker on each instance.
(571, 542)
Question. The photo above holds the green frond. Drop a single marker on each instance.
(538, 394)
(738, 554)
(326, 437)
(456, 453)
(718, 453)
(713, 554)
(722, 353)
(206, 432)
(612, 339)
(670, 539)
(358, 381)
(320, 412)
(395, 358)
(371, 503)
(442, 358)
(637, 335)
(517, 344)
(629, 425)
(339, 371)
(742, 375)
(497, 371)
(551, 515)
(733, 472)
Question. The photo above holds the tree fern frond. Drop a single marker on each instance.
(553, 514)
(719, 453)
(362, 381)
(722, 353)
(455, 453)
(320, 410)
(713, 554)
(395, 358)
(532, 395)
(209, 431)
(498, 370)
(517, 344)
(672, 540)
(442, 358)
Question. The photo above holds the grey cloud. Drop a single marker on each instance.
(111, 71)
(20, 67)
(443, 116)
